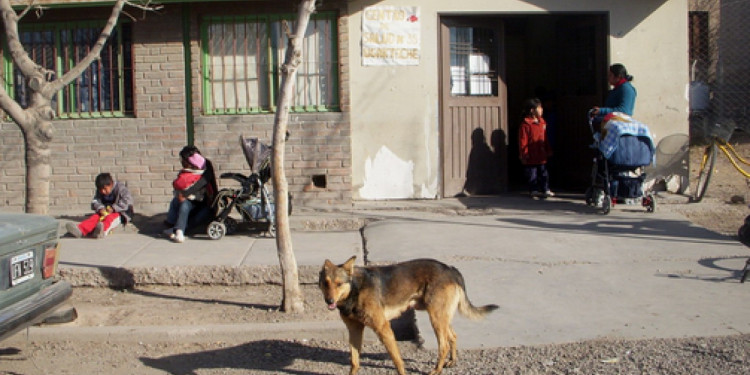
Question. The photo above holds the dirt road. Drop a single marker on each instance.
(700, 356)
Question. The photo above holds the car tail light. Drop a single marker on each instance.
(49, 266)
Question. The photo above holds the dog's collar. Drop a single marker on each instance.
(349, 305)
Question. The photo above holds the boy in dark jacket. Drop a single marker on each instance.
(112, 205)
(534, 148)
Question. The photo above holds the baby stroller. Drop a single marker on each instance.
(251, 200)
(623, 149)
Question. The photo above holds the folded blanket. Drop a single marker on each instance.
(616, 125)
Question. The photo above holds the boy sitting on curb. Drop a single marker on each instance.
(112, 205)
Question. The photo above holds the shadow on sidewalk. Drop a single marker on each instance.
(561, 202)
(654, 229)
(212, 301)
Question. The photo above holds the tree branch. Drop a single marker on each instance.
(146, 6)
(94, 54)
(22, 60)
(12, 108)
(50, 90)
(28, 8)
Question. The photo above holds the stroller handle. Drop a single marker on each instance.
(241, 178)
(590, 116)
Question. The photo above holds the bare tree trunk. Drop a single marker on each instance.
(292, 298)
(37, 133)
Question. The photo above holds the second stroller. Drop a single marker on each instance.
(624, 148)
(252, 200)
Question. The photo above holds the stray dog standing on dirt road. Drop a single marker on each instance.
(372, 296)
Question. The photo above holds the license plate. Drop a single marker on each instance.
(21, 268)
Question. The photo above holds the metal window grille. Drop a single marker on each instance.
(243, 58)
(238, 76)
(719, 67)
(473, 56)
(105, 89)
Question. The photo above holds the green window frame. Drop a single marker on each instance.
(242, 58)
(104, 89)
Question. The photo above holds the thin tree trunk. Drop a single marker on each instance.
(292, 298)
(37, 133)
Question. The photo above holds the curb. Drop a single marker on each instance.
(125, 278)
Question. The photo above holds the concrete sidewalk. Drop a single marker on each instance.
(559, 271)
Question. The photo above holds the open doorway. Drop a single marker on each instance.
(560, 58)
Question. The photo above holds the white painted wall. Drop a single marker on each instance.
(394, 109)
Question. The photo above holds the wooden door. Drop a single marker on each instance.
(473, 100)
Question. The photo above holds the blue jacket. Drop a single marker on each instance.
(620, 99)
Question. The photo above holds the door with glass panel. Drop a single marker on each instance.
(473, 100)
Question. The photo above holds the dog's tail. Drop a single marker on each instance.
(467, 309)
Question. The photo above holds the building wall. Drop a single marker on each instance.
(395, 133)
(143, 150)
(387, 149)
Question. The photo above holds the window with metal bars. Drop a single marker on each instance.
(105, 89)
(473, 58)
(242, 58)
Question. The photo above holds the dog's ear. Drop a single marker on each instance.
(349, 265)
(328, 264)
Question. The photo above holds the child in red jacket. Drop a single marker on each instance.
(534, 148)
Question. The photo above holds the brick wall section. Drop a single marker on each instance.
(319, 145)
(12, 168)
(142, 151)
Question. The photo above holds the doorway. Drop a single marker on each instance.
(561, 59)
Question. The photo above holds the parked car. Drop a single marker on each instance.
(30, 289)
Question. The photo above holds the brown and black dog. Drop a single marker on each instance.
(372, 296)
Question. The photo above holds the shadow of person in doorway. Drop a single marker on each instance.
(499, 143)
(481, 171)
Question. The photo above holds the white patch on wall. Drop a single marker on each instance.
(387, 177)
(429, 190)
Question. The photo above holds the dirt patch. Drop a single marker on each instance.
(155, 305)
(725, 205)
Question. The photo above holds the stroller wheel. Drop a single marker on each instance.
(606, 205)
(216, 230)
(231, 225)
(650, 203)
